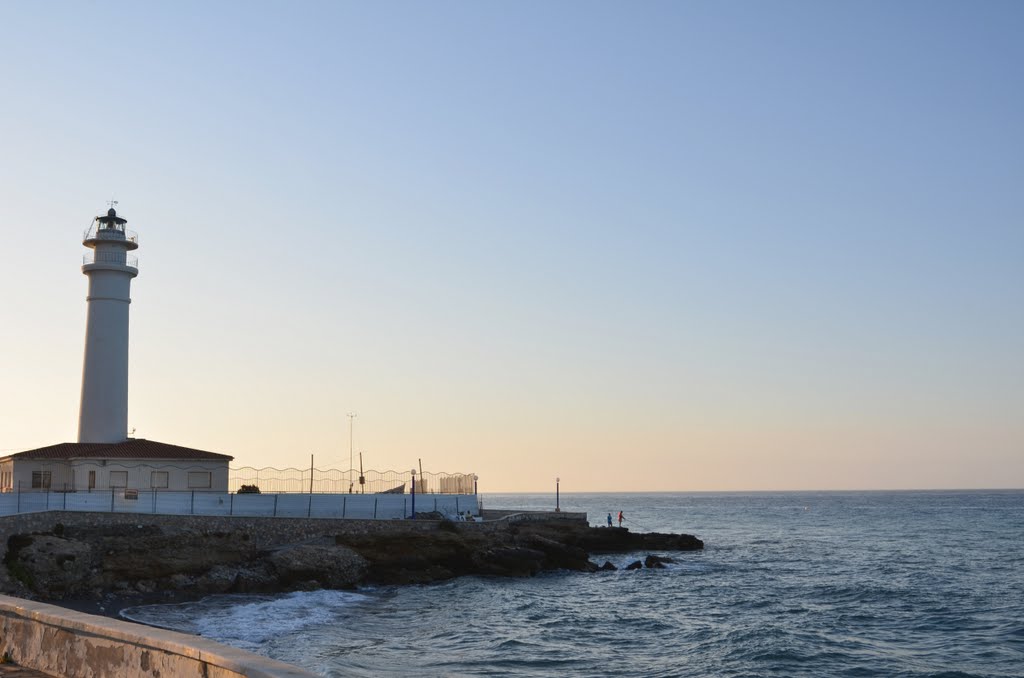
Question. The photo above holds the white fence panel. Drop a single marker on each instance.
(8, 504)
(321, 505)
(87, 501)
(254, 504)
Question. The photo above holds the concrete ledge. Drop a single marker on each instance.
(63, 642)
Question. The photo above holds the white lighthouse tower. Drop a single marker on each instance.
(103, 417)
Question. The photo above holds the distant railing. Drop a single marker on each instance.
(116, 258)
(212, 503)
(336, 481)
(93, 233)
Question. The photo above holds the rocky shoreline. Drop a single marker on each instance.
(102, 568)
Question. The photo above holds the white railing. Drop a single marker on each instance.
(93, 233)
(116, 258)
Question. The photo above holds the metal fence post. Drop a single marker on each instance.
(47, 499)
(192, 509)
(375, 507)
(111, 500)
(344, 501)
(309, 508)
(275, 505)
(231, 506)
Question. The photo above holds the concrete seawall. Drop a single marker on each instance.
(62, 642)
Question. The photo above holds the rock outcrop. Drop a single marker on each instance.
(333, 566)
(156, 560)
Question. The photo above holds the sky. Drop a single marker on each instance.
(657, 246)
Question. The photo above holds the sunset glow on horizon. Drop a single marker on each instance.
(667, 246)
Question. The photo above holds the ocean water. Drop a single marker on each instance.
(790, 584)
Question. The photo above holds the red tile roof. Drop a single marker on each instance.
(133, 448)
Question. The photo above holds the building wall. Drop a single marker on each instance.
(123, 473)
(60, 474)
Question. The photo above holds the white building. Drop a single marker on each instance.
(130, 465)
(104, 457)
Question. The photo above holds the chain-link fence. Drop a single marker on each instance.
(335, 481)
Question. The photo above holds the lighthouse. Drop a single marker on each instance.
(103, 416)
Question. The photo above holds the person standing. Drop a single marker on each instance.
(609, 519)
(621, 518)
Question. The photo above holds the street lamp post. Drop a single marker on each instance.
(414, 494)
(558, 507)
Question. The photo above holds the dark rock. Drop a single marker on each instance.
(51, 566)
(514, 561)
(334, 566)
(657, 561)
(608, 566)
(256, 578)
(220, 579)
(636, 565)
(418, 557)
(558, 556)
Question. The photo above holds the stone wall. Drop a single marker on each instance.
(78, 645)
(264, 532)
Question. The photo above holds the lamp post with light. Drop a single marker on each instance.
(414, 494)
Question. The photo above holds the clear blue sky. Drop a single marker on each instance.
(747, 245)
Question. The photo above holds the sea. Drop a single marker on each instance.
(851, 584)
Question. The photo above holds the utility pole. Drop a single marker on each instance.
(351, 416)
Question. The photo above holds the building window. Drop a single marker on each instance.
(92, 480)
(40, 480)
(119, 478)
(158, 479)
(198, 479)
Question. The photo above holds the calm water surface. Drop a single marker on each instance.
(790, 584)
